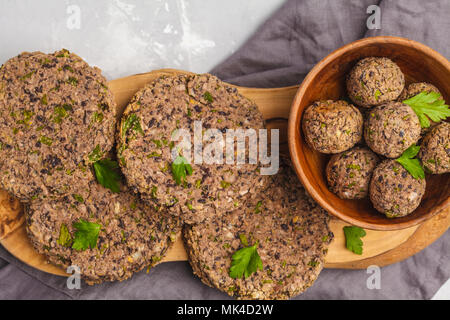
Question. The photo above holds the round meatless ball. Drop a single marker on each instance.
(348, 173)
(394, 191)
(435, 149)
(332, 126)
(131, 235)
(291, 232)
(414, 89)
(156, 114)
(374, 81)
(57, 115)
(392, 128)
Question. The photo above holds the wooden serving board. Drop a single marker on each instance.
(380, 247)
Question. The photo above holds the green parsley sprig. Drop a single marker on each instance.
(245, 261)
(411, 164)
(181, 168)
(428, 105)
(132, 122)
(65, 239)
(107, 174)
(353, 240)
(86, 235)
(96, 154)
(208, 97)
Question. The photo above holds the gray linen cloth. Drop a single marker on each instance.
(281, 53)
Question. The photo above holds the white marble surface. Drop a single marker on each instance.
(125, 37)
(443, 293)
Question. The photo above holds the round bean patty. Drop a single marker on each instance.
(132, 234)
(292, 233)
(56, 116)
(155, 114)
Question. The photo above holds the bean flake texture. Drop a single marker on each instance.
(109, 236)
(56, 112)
(287, 229)
(189, 189)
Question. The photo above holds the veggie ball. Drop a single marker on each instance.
(414, 89)
(435, 149)
(391, 128)
(374, 81)
(332, 126)
(394, 191)
(348, 173)
(57, 117)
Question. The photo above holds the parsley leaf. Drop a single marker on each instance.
(413, 166)
(245, 262)
(428, 105)
(107, 174)
(132, 122)
(181, 167)
(65, 239)
(46, 140)
(244, 240)
(73, 81)
(86, 235)
(377, 95)
(352, 239)
(78, 198)
(208, 97)
(96, 154)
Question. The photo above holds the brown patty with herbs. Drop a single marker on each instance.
(109, 236)
(193, 191)
(287, 228)
(56, 116)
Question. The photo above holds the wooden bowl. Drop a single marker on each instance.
(327, 81)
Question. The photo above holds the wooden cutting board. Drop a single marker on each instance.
(380, 247)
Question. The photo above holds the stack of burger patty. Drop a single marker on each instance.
(224, 207)
(58, 122)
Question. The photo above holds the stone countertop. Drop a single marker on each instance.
(124, 37)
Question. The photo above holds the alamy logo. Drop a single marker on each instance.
(374, 281)
(374, 20)
(213, 146)
(74, 281)
(74, 18)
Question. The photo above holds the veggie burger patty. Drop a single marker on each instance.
(144, 146)
(130, 234)
(290, 232)
(56, 116)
